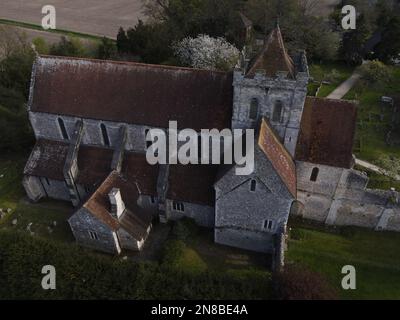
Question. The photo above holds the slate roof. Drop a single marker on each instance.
(136, 168)
(133, 93)
(47, 159)
(94, 165)
(327, 132)
(273, 57)
(135, 220)
(192, 183)
(279, 157)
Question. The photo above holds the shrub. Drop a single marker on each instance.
(184, 228)
(172, 253)
(70, 46)
(41, 45)
(85, 275)
(375, 71)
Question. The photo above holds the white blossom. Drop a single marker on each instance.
(205, 52)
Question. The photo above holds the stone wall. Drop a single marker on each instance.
(46, 126)
(128, 242)
(55, 189)
(33, 188)
(82, 222)
(268, 91)
(202, 214)
(242, 208)
(341, 197)
(245, 239)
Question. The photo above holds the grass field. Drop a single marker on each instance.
(95, 17)
(202, 253)
(375, 255)
(374, 119)
(334, 73)
(41, 216)
(37, 27)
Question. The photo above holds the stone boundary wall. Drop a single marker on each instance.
(351, 204)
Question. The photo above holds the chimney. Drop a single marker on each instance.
(117, 204)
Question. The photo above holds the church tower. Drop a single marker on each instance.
(272, 85)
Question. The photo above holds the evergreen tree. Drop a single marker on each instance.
(389, 47)
(122, 41)
(354, 41)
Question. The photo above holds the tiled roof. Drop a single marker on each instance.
(133, 93)
(94, 165)
(47, 159)
(192, 183)
(327, 132)
(136, 168)
(279, 157)
(273, 57)
(135, 220)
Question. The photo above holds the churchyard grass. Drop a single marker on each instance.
(46, 219)
(375, 119)
(375, 255)
(332, 73)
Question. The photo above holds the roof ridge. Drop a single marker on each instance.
(133, 63)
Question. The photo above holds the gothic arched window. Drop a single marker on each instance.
(62, 128)
(314, 175)
(106, 140)
(277, 114)
(254, 106)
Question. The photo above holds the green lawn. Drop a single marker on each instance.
(375, 255)
(205, 253)
(374, 119)
(379, 181)
(41, 215)
(334, 73)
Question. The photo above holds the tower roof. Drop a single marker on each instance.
(273, 57)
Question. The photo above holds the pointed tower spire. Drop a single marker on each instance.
(273, 57)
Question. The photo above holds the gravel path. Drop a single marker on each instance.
(345, 87)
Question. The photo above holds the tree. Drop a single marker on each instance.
(300, 283)
(353, 42)
(389, 47)
(122, 41)
(16, 58)
(69, 46)
(184, 18)
(41, 45)
(301, 28)
(205, 52)
(107, 49)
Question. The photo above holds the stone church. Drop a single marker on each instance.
(91, 117)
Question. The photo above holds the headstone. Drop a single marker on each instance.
(386, 99)
(55, 223)
(9, 210)
(14, 222)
